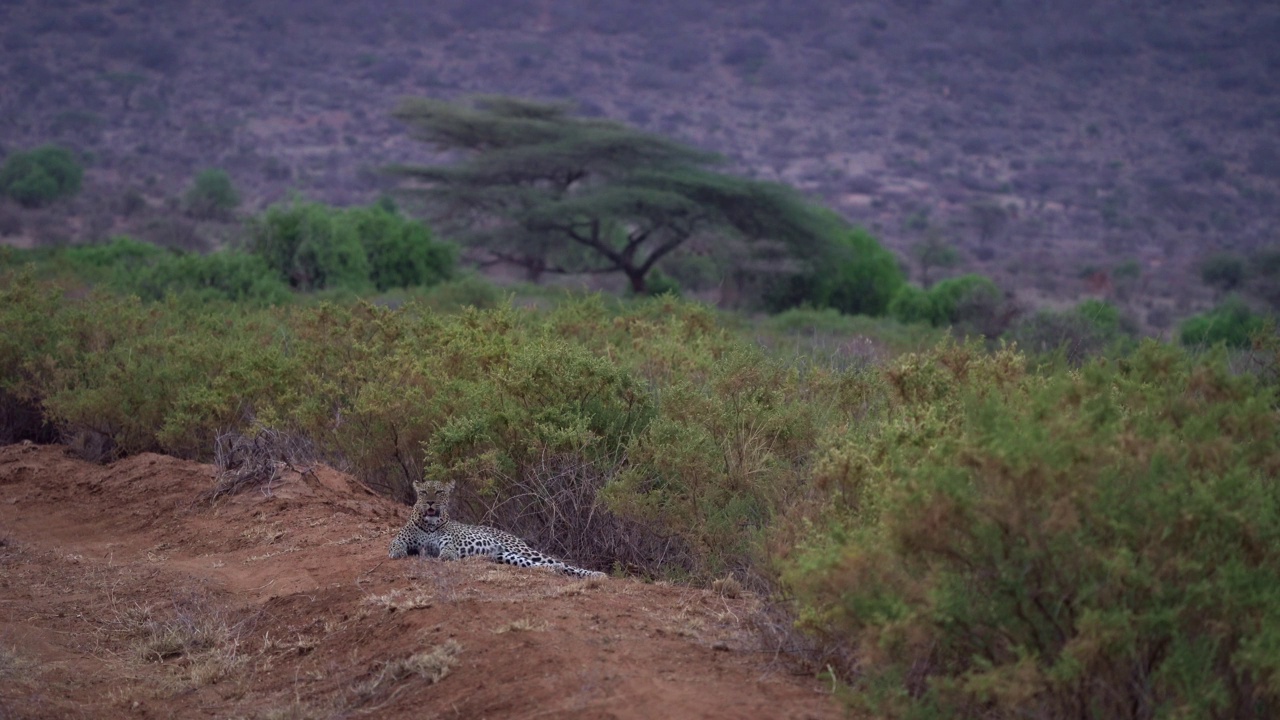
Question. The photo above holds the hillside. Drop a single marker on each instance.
(1101, 134)
(121, 595)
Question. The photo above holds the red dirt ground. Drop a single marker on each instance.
(121, 595)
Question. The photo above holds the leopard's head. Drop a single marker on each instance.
(433, 500)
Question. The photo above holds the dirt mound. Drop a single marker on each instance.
(121, 595)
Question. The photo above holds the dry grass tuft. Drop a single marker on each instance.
(401, 600)
(727, 586)
(432, 665)
(578, 588)
(201, 641)
(522, 625)
(244, 462)
(14, 668)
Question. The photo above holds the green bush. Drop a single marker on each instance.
(659, 283)
(120, 254)
(1083, 332)
(310, 247)
(914, 304)
(470, 290)
(152, 273)
(139, 377)
(315, 247)
(1232, 324)
(860, 277)
(38, 177)
(212, 196)
(1090, 544)
(401, 251)
(972, 302)
(864, 277)
(226, 275)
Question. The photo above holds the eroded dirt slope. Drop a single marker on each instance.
(121, 595)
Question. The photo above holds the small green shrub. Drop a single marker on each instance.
(1232, 324)
(470, 290)
(315, 247)
(914, 304)
(153, 273)
(226, 275)
(1083, 332)
(658, 283)
(402, 253)
(39, 177)
(310, 247)
(971, 302)
(212, 196)
(860, 277)
(120, 255)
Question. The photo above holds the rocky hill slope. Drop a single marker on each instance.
(1050, 141)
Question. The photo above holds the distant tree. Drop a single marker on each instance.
(989, 219)
(36, 178)
(550, 192)
(1223, 272)
(933, 252)
(211, 196)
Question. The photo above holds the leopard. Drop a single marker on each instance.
(431, 532)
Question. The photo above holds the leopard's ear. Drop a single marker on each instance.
(447, 487)
(421, 486)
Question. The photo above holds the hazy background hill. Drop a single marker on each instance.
(1052, 142)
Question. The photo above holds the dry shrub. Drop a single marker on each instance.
(245, 461)
(727, 586)
(556, 506)
(91, 445)
(779, 635)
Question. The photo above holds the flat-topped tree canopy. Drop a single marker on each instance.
(535, 185)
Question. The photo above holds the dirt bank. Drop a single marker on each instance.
(121, 595)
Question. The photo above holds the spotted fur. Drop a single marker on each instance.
(431, 532)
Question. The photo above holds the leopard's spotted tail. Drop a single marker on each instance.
(522, 560)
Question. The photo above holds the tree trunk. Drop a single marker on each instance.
(533, 269)
(638, 285)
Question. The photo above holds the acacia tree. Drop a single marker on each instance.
(536, 186)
